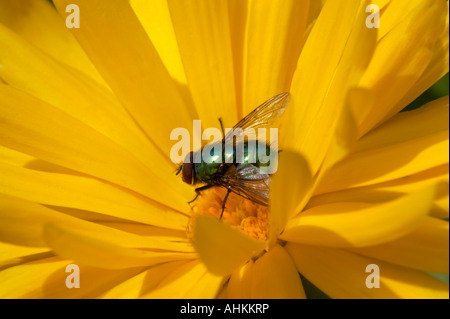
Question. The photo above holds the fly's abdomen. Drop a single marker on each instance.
(251, 152)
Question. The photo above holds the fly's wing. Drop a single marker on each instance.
(247, 181)
(261, 117)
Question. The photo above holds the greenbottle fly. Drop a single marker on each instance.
(239, 167)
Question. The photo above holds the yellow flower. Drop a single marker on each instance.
(86, 178)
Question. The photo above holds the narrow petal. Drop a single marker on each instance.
(387, 191)
(142, 283)
(342, 274)
(32, 130)
(203, 34)
(401, 57)
(240, 283)
(346, 134)
(96, 252)
(394, 13)
(14, 158)
(275, 277)
(409, 143)
(173, 235)
(221, 247)
(135, 71)
(294, 175)
(85, 193)
(424, 249)
(81, 98)
(28, 280)
(441, 207)
(16, 225)
(360, 224)
(436, 69)
(207, 287)
(12, 255)
(23, 223)
(181, 281)
(275, 34)
(155, 18)
(238, 15)
(315, 7)
(38, 22)
(319, 89)
(46, 279)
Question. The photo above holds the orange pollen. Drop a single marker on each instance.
(241, 213)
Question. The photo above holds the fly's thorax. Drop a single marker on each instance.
(208, 172)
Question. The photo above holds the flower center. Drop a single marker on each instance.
(241, 213)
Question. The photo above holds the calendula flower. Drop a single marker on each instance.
(86, 177)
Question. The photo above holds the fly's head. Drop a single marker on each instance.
(187, 169)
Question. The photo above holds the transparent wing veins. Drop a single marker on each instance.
(263, 116)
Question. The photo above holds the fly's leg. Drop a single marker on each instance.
(224, 201)
(221, 126)
(198, 190)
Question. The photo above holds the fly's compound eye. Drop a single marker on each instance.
(188, 168)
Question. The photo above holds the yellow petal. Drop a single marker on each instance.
(88, 250)
(427, 120)
(23, 224)
(46, 278)
(142, 283)
(207, 287)
(155, 18)
(203, 35)
(435, 70)
(394, 189)
(239, 285)
(409, 143)
(394, 13)
(315, 7)
(132, 67)
(180, 282)
(319, 89)
(382, 4)
(360, 224)
(289, 189)
(38, 22)
(28, 280)
(441, 207)
(221, 247)
(11, 255)
(32, 130)
(401, 57)
(80, 97)
(387, 191)
(172, 235)
(342, 274)
(346, 133)
(15, 158)
(85, 193)
(275, 277)
(425, 249)
(238, 14)
(274, 38)
(16, 225)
